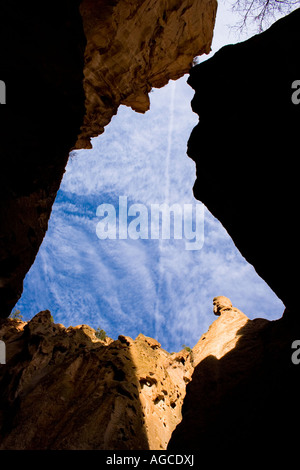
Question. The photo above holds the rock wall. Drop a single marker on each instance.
(133, 46)
(42, 58)
(67, 68)
(62, 388)
(243, 397)
(245, 148)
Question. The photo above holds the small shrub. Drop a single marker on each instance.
(16, 315)
(100, 334)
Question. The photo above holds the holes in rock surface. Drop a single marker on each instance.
(124, 392)
(147, 382)
(59, 349)
(133, 408)
(119, 375)
(158, 399)
(118, 372)
(123, 435)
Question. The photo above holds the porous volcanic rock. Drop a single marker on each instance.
(133, 46)
(62, 388)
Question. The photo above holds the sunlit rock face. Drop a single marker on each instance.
(245, 148)
(133, 46)
(63, 388)
(243, 396)
(67, 67)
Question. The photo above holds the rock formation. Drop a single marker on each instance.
(62, 388)
(67, 68)
(244, 390)
(42, 59)
(133, 46)
(243, 396)
(245, 145)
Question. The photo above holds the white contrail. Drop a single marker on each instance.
(170, 132)
(157, 315)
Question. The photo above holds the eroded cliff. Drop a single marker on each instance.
(67, 67)
(243, 397)
(63, 388)
(133, 46)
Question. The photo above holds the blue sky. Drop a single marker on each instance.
(154, 287)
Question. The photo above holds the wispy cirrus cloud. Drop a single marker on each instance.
(156, 287)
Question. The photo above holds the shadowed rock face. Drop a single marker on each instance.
(244, 390)
(62, 388)
(41, 51)
(67, 67)
(245, 148)
(243, 396)
(61, 383)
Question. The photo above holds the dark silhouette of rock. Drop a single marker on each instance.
(246, 400)
(41, 52)
(245, 148)
(245, 152)
(67, 67)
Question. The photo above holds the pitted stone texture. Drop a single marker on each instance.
(63, 388)
(133, 46)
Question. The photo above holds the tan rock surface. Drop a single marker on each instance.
(223, 333)
(133, 46)
(62, 388)
(244, 393)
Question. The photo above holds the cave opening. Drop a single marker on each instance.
(128, 286)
